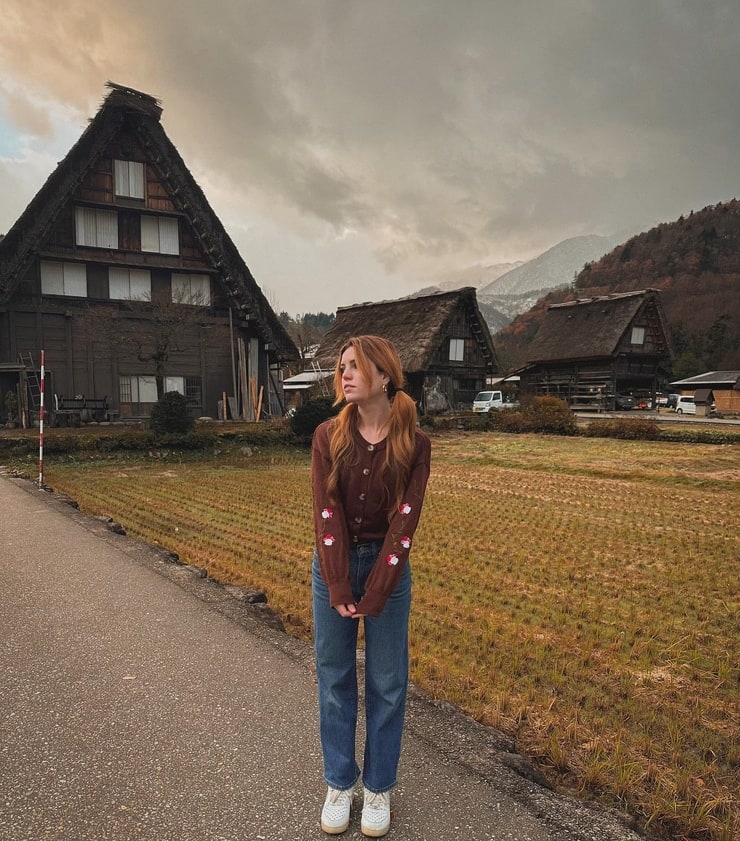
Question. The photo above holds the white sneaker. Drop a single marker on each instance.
(337, 806)
(376, 814)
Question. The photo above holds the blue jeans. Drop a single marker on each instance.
(386, 678)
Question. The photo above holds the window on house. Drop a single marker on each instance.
(137, 389)
(160, 234)
(129, 284)
(187, 386)
(457, 350)
(193, 391)
(128, 177)
(125, 389)
(68, 279)
(638, 336)
(96, 228)
(192, 289)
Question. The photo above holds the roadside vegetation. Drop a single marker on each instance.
(578, 593)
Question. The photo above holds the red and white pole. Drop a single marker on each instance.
(41, 424)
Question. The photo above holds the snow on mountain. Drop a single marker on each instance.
(476, 276)
(556, 267)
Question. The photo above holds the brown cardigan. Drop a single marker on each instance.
(361, 514)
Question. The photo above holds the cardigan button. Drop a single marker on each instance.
(371, 447)
(362, 497)
(358, 519)
(366, 471)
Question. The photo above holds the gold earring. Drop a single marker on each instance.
(385, 386)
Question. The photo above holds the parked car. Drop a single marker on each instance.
(685, 405)
(623, 402)
(486, 400)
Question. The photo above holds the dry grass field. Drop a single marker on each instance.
(580, 595)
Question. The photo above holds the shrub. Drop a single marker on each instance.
(126, 439)
(171, 415)
(201, 439)
(550, 414)
(635, 429)
(310, 415)
(275, 433)
(508, 420)
(543, 414)
(479, 422)
(62, 444)
(701, 436)
(11, 406)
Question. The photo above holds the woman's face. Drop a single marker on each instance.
(356, 390)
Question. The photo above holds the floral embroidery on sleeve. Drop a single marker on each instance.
(400, 538)
(326, 538)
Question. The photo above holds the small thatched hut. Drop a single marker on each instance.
(443, 341)
(589, 352)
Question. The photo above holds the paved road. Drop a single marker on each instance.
(141, 701)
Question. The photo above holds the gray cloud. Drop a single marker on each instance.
(438, 134)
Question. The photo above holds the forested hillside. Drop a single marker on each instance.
(694, 261)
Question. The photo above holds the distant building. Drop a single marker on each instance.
(120, 270)
(590, 352)
(308, 385)
(724, 385)
(443, 340)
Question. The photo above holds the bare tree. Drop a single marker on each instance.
(150, 330)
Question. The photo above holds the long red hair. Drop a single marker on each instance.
(401, 437)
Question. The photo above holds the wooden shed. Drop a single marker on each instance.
(443, 340)
(593, 352)
(704, 401)
(120, 270)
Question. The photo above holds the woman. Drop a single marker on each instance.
(370, 467)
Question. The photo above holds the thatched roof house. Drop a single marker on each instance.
(122, 220)
(443, 341)
(589, 351)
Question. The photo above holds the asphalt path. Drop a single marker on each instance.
(141, 700)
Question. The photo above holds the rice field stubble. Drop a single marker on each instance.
(580, 595)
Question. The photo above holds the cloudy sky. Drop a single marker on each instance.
(358, 150)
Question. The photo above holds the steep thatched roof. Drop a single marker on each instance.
(593, 328)
(416, 326)
(141, 112)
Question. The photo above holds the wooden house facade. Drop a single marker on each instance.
(121, 272)
(589, 352)
(443, 340)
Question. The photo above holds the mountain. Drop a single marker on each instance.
(556, 267)
(694, 262)
(507, 289)
(495, 318)
(519, 289)
(477, 276)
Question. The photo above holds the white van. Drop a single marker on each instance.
(685, 405)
